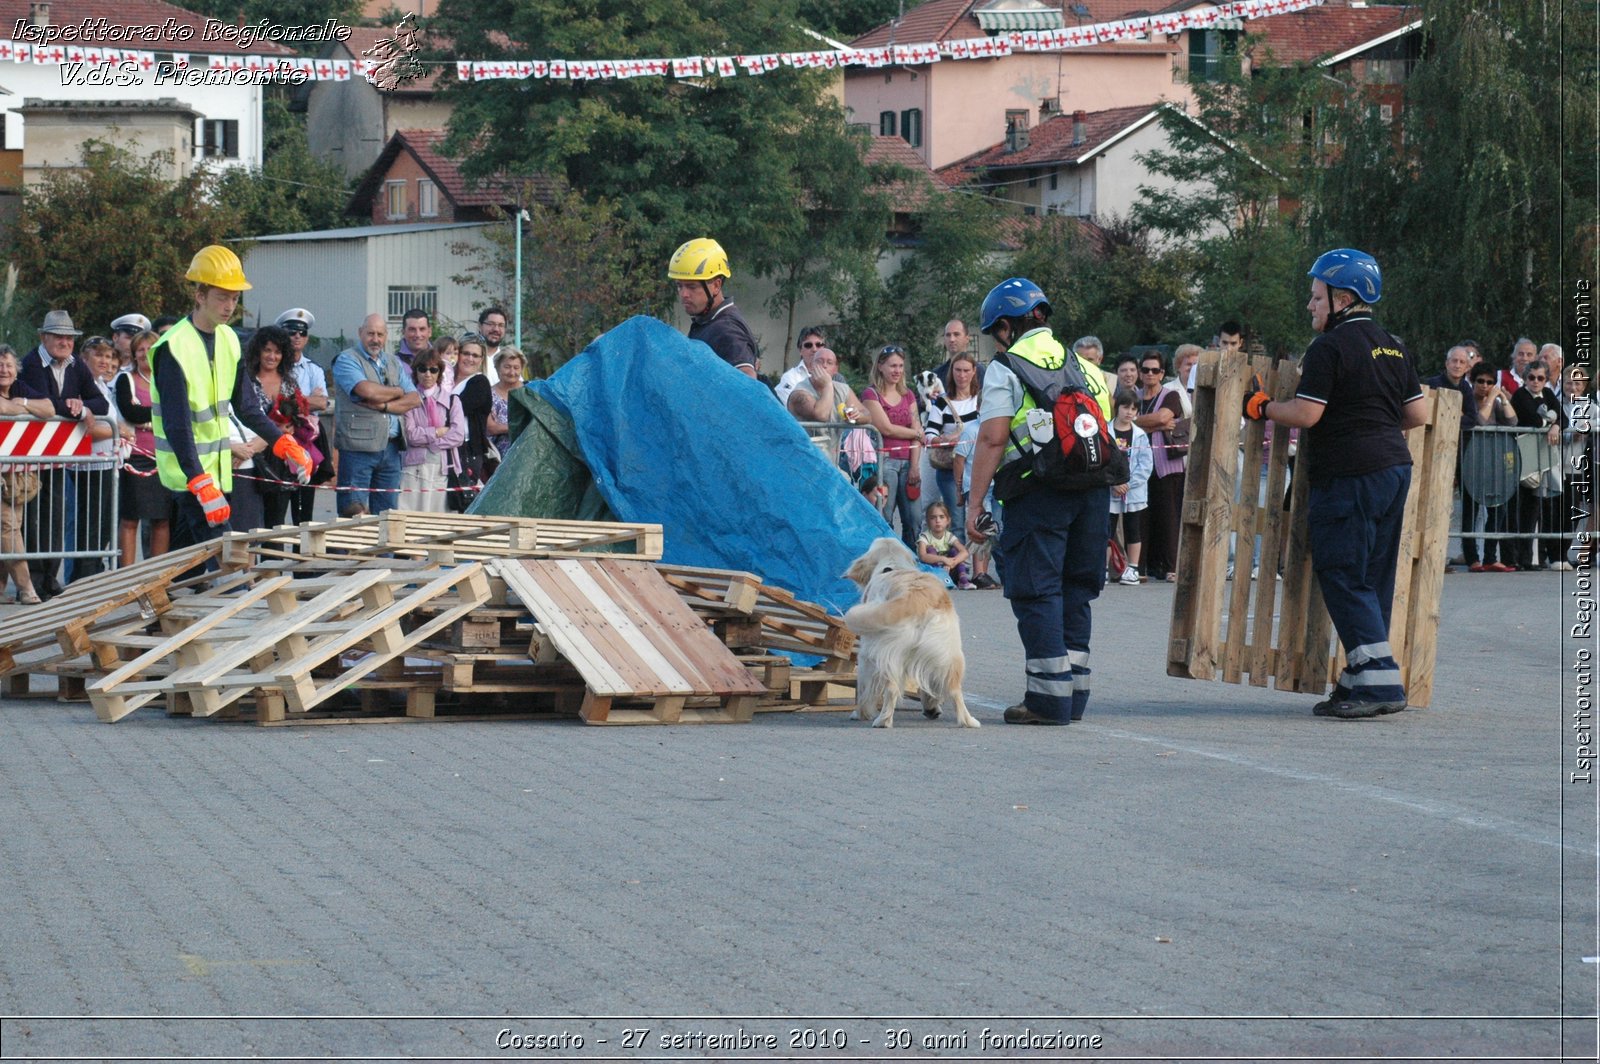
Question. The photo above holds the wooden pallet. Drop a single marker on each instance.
(1227, 626)
(632, 639)
(446, 538)
(785, 622)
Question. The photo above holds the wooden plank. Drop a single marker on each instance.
(1427, 575)
(1247, 521)
(594, 668)
(714, 668)
(607, 664)
(639, 639)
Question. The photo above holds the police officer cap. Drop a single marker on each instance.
(134, 323)
(300, 315)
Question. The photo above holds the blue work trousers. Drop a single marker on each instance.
(1354, 527)
(1053, 548)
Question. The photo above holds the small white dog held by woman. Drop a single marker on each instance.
(909, 632)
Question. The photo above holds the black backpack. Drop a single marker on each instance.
(1080, 454)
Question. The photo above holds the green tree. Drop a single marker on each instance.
(952, 261)
(846, 19)
(71, 252)
(1110, 280)
(292, 191)
(1475, 212)
(724, 157)
(1233, 171)
(582, 273)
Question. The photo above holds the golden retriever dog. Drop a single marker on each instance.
(908, 632)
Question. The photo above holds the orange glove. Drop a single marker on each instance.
(289, 449)
(212, 501)
(1255, 405)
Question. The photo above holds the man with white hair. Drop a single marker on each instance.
(1555, 361)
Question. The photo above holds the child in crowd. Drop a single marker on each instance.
(938, 545)
(1130, 500)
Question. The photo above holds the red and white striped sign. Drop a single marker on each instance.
(35, 439)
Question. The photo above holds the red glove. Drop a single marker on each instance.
(1255, 405)
(212, 501)
(289, 449)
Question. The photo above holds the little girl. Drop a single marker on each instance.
(1131, 499)
(937, 545)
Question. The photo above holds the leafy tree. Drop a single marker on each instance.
(846, 19)
(1110, 280)
(71, 252)
(582, 274)
(1234, 169)
(1475, 212)
(293, 191)
(953, 264)
(726, 157)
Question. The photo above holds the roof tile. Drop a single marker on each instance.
(1049, 142)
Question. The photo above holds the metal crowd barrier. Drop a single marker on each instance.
(1524, 487)
(55, 504)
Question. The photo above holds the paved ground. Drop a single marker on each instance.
(1195, 870)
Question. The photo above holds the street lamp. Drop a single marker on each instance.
(522, 216)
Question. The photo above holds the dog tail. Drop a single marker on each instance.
(877, 618)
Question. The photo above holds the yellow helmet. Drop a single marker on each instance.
(215, 265)
(699, 259)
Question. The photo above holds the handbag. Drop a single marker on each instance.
(19, 486)
(942, 458)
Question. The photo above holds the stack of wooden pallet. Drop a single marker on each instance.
(445, 616)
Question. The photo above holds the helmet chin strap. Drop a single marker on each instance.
(1337, 317)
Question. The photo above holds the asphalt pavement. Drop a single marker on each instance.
(1196, 870)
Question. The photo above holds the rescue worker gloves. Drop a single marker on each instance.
(289, 449)
(211, 499)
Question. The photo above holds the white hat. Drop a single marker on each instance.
(299, 314)
(137, 323)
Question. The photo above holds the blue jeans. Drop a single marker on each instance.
(896, 474)
(371, 477)
(1354, 529)
(1053, 548)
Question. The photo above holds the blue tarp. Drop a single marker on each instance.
(674, 435)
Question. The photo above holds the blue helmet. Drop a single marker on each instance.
(1352, 269)
(1010, 299)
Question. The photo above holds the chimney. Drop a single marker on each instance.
(1049, 107)
(1077, 127)
(1016, 137)
(39, 13)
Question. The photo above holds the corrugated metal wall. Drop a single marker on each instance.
(415, 260)
(327, 277)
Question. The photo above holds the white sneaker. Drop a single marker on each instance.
(1230, 572)
(1561, 567)
(1255, 574)
(1130, 576)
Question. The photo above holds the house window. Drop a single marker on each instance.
(406, 297)
(886, 123)
(427, 199)
(911, 126)
(1386, 113)
(1212, 53)
(1053, 177)
(219, 138)
(396, 198)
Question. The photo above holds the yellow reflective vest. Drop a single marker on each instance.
(211, 382)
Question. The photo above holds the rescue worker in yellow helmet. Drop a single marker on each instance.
(199, 377)
(699, 267)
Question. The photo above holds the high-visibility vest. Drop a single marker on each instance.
(1043, 350)
(211, 382)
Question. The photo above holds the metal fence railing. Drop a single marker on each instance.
(56, 506)
(1524, 489)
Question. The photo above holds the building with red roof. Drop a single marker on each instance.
(413, 180)
(954, 108)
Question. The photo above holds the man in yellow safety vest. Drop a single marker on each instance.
(199, 378)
